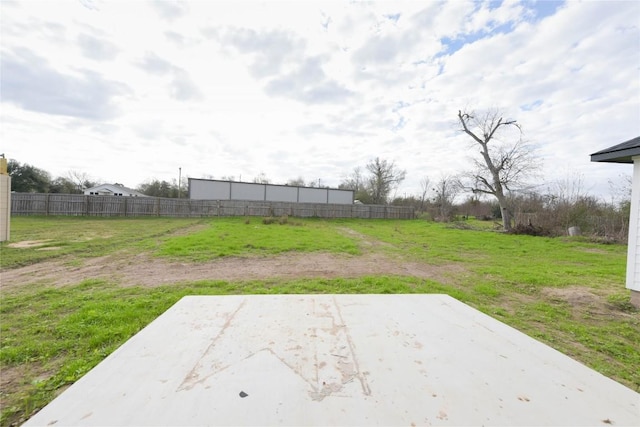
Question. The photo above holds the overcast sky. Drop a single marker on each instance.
(129, 91)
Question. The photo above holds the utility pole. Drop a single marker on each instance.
(179, 182)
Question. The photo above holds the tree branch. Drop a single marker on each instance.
(465, 127)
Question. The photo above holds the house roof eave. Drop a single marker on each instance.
(620, 153)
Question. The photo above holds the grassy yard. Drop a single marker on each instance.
(568, 293)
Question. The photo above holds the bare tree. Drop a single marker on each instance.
(261, 179)
(356, 182)
(621, 189)
(446, 190)
(424, 189)
(82, 180)
(297, 182)
(376, 185)
(385, 177)
(353, 181)
(503, 166)
(568, 190)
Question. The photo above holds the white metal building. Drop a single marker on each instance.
(629, 152)
(211, 189)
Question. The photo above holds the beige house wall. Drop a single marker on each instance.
(5, 208)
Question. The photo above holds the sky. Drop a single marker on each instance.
(130, 91)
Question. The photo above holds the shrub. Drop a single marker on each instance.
(283, 220)
(530, 230)
(268, 220)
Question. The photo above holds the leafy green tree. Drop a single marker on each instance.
(64, 185)
(157, 188)
(28, 179)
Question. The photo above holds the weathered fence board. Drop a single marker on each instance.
(81, 205)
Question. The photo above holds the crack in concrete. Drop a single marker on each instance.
(193, 377)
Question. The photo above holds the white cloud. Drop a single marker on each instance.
(95, 48)
(170, 9)
(153, 64)
(270, 50)
(31, 83)
(134, 90)
(309, 84)
(182, 88)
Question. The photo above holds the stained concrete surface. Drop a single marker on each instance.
(337, 360)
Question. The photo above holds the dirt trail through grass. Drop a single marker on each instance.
(145, 270)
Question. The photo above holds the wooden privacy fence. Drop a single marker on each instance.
(82, 205)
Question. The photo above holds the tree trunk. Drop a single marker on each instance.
(504, 211)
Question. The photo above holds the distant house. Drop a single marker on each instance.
(629, 152)
(112, 190)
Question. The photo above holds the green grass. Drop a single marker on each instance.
(83, 237)
(86, 237)
(503, 259)
(243, 237)
(567, 293)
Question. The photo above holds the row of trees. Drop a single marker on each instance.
(26, 178)
(548, 211)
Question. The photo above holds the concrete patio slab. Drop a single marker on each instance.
(337, 360)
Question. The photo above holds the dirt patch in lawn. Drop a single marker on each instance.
(575, 296)
(146, 270)
(585, 302)
(26, 244)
